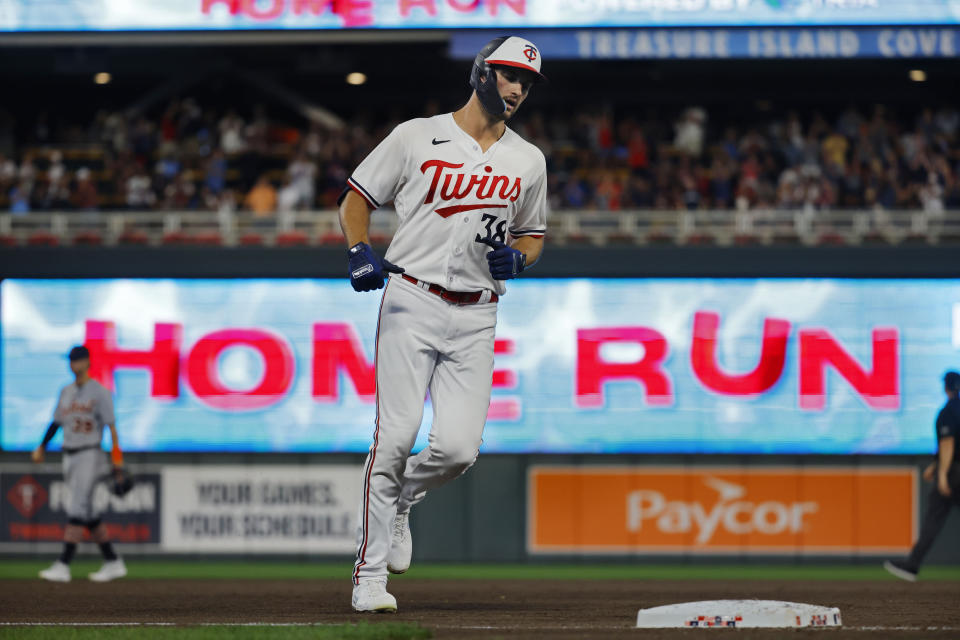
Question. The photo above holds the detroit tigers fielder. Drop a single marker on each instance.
(471, 198)
(83, 408)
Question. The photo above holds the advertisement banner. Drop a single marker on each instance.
(170, 15)
(723, 510)
(756, 43)
(35, 499)
(788, 366)
(261, 509)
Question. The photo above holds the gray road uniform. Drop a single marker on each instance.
(83, 412)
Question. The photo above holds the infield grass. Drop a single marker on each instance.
(153, 569)
(361, 631)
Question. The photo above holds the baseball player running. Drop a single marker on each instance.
(944, 474)
(470, 196)
(83, 408)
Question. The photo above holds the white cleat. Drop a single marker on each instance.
(371, 596)
(401, 545)
(110, 570)
(57, 572)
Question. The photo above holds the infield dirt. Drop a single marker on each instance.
(485, 609)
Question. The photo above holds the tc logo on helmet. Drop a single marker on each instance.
(531, 52)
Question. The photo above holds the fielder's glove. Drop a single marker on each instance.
(367, 270)
(120, 481)
(504, 262)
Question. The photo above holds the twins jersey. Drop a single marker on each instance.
(449, 195)
(83, 411)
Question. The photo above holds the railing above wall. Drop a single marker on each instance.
(590, 228)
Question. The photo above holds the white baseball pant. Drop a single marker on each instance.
(423, 342)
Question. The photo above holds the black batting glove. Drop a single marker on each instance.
(504, 262)
(367, 270)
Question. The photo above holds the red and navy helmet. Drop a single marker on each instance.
(506, 51)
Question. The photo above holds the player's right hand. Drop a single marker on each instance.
(37, 454)
(367, 270)
(928, 472)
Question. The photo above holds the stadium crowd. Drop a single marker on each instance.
(190, 157)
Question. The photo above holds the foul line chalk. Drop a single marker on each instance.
(431, 626)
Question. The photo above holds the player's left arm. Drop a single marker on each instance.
(116, 454)
(531, 247)
(947, 436)
(509, 261)
(109, 418)
(946, 457)
(527, 230)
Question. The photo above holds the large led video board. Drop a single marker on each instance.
(791, 366)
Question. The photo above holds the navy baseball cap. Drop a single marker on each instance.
(952, 381)
(79, 353)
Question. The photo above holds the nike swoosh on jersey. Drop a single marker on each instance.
(446, 212)
(435, 141)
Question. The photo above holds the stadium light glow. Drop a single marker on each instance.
(918, 75)
(102, 78)
(356, 78)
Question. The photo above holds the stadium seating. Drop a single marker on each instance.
(250, 240)
(292, 239)
(88, 238)
(43, 239)
(133, 236)
(332, 239)
(597, 162)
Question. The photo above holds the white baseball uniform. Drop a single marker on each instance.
(448, 195)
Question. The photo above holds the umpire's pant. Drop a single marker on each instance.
(938, 508)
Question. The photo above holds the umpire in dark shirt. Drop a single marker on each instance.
(944, 473)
